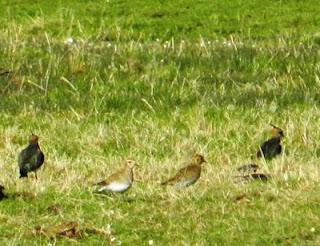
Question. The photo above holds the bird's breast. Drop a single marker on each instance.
(118, 186)
(185, 183)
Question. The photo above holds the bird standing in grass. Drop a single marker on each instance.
(119, 181)
(187, 175)
(272, 147)
(31, 158)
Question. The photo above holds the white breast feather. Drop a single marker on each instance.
(116, 187)
(185, 183)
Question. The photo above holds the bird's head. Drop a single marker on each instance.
(33, 139)
(198, 159)
(276, 131)
(1, 188)
(131, 163)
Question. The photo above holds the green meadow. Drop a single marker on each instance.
(157, 81)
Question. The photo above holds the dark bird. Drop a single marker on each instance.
(2, 195)
(272, 147)
(187, 175)
(31, 158)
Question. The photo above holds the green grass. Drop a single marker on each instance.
(157, 82)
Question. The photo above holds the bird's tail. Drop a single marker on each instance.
(100, 186)
(97, 191)
(101, 190)
(167, 182)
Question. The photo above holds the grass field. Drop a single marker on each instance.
(158, 81)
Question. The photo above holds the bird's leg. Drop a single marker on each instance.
(36, 175)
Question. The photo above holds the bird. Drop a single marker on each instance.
(272, 147)
(188, 175)
(31, 158)
(120, 181)
(248, 168)
(2, 195)
(253, 176)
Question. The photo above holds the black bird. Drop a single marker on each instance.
(272, 147)
(31, 158)
(2, 195)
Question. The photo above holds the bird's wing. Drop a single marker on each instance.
(265, 147)
(40, 158)
(184, 174)
(271, 142)
(24, 157)
(270, 147)
(36, 160)
(111, 178)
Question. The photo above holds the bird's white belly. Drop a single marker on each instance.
(118, 187)
(185, 183)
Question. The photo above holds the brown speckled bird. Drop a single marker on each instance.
(248, 168)
(119, 181)
(31, 158)
(187, 175)
(253, 176)
(272, 147)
